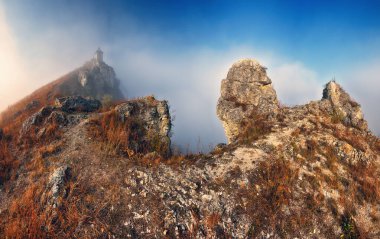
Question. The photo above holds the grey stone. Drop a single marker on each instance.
(32, 105)
(247, 90)
(77, 104)
(344, 106)
(57, 181)
(36, 119)
(154, 117)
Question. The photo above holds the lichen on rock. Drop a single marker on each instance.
(343, 106)
(247, 90)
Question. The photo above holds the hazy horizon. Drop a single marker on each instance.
(181, 51)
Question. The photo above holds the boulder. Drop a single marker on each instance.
(247, 90)
(57, 182)
(77, 104)
(343, 106)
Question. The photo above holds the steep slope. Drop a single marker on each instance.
(309, 171)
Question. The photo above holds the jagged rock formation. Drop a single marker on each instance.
(58, 115)
(247, 90)
(154, 120)
(148, 118)
(310, 171)
(77, 103)
(343, 106)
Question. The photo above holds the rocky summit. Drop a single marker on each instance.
(75, 167)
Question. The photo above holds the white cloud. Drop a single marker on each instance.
(189, 79)
(295, 84)
(363, 84)
(191, 82)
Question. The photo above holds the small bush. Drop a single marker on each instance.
(115, 133)
(127, 136)
(337, 117)
(349, 228)
(256, 126)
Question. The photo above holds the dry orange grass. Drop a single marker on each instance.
(7, 162)
(24, 219)
(212, 220)
(269, 192)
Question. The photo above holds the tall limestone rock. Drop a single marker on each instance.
(246, 91)
(343, 106)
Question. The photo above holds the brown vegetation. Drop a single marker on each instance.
(254, 127)
(269, 193)
(7, 162)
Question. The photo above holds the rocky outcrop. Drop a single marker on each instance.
(36, 119)
(154, 119)
(95, 79)
(343, 106)
(247, 90)
(149, 120)
(34, 104)
(77, 104)
(59, 114)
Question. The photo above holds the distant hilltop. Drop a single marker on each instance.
(94, 79)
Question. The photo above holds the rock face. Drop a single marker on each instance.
(247, 90)
(59, 113)
(77, 103)
(98, 79)
(343, 106)
(154, 117)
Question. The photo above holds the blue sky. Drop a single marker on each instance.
(180, 50)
